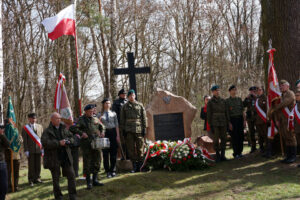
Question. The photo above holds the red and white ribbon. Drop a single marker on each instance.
(33, 135)
(260, 112)
(58, 91)
(272, 130)
(297, 114)
(290, 117)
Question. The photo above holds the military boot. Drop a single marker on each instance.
(134, 167)
(223, 158)
(217, 159)
(268, 152)
(88, 182)
(287, 155)
(292, 156)
(95, 180)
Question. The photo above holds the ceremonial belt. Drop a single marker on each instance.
(290, 117)
(132, 120)
(261, 113)
(297, 114)
(33, 135)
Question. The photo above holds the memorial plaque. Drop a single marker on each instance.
(169, 126)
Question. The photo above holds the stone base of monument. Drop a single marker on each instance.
(205, 142)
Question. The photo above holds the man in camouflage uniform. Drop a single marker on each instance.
(249, 103)
(133, 123)
(287, 101)
(116, 107)
(218, 118)
(235, 109)
(89, 128)
(260, 123)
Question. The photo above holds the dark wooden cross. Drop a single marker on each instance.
(131, 71)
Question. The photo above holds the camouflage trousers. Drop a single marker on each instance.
(219, 133)
(135, 145)
(91, 161)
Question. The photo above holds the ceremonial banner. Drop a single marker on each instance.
(11, 130)
(273, 89)
(61, 101)
(61, 24)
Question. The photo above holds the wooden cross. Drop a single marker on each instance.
(131, 71)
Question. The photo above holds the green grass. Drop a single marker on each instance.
(251, 177)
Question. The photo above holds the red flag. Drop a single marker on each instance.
(273, 89)
(61, 24)
(61, 101)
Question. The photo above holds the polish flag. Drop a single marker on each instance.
(61, 24)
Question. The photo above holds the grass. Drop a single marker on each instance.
(251, 177)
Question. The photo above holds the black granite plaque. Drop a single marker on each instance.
(169, 126)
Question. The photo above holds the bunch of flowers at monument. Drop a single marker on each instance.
(175, 156)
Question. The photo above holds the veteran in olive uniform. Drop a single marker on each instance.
(260, 123)
(133, 123)
(89, 128)
(56, 140)
(249, 103)
(287, 101)
(235, 109)
(218, 118)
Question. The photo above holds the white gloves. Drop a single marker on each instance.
(27, 154)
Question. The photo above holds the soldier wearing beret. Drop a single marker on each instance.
(218, 119)
(249, 103)
(283, 121)
(235, 109)
(89, 128)
(133, 123)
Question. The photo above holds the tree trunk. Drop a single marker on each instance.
(113, 48)
(1, 66)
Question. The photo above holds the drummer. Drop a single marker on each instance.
(110, 121)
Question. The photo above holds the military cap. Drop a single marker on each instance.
(32, 115)
(122, 91)
(284, 82)
(89, 106)
(253, 88)
(130, 92)
(105, 100)
(231, 87)
(214, 87)
(297, 82)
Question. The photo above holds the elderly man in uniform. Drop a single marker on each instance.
(235, 109)
(249, 103)
(218, 119)
(56, 140)
(32, 150)
(282, 121)
(4, 144)
(133, 123)
(89, 128)
(116, 107)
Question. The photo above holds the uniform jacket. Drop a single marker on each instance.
(50, 142)
(287, 100)
(133, 117)
(89, 125)
(117, 105)
(262, 103)
(217, 114)
(297, 125)
(29, 144)
(249, 103)
(4, 144)
(234, 106)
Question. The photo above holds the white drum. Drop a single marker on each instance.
(100, 143)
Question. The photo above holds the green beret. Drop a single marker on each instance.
(231, 87)
(130, 92)
(297, 82)
(215, 87)
(283, 82)
(253, 88)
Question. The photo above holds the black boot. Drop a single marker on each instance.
(88, 182)
(253, 149)
(268, 152)
(218, 157)
(95, 180)
(138, 167)
(293, 153)
(223, 158)
(134, 167)
(287, 155)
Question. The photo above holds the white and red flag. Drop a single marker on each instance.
(61, 101)
(273, 89)
(61, 24)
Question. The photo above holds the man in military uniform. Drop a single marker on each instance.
(282, 121)
(235, 109)
(249, 103)
(89, 128)
(261, 121)
(56, 140)
(133, 123)
(218, 119)
(116, 107)
(32, 150)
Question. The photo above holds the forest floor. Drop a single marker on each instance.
(250, 177)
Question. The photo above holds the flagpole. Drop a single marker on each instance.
(77, 61)
(12, 178)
